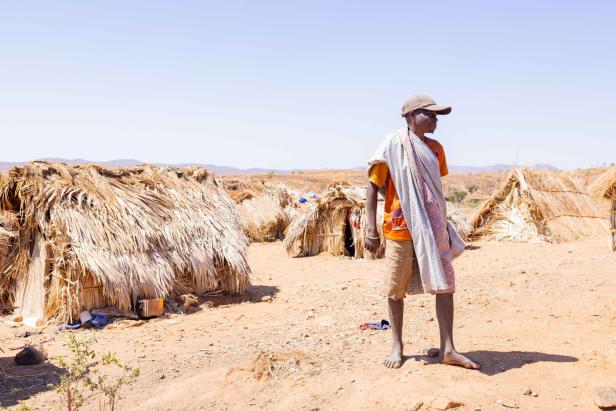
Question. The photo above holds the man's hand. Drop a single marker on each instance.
(372, 242)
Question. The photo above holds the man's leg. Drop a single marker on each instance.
(396, 314)
(398, 273)
(448, 353)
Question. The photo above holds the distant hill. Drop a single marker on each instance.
(226, 170)
(222, 170)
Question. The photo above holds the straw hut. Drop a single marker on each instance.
(535, 205)
(334, 223)
(605, 188)
(89, 237)
(261, 208)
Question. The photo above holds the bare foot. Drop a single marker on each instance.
(395, 357)
(455, 358)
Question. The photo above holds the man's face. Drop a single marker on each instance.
(425, 120)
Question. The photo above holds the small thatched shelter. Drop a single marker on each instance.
(261, 208)
(605, 188)
(535, 205)
(334, 223)
(88, 237)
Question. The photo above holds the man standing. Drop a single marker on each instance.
(408, 166)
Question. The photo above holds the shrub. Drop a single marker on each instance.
(457, 196)
(79, 375)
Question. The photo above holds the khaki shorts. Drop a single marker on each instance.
(401, 270)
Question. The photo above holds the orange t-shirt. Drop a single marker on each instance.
(394, 225)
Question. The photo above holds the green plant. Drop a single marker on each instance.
(79, 375)
(110, 389)
(457, 196)
(22, 406)
(73, 379)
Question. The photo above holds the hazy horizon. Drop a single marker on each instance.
(311, 86)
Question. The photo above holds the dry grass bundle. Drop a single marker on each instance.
(261, 208)
(115, 235)
(459, 222)
(9, 226)
(534, 205)
(338, 183)
(605, 187)
(321, 227)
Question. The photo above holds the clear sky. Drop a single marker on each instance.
(308, 84)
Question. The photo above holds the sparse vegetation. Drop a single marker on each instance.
(474, 203)
(79, 376)
(72, 381)
(457, 196)
(108, 388)
(471, 188)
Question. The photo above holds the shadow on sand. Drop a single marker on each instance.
(23, 381)
(254, 294)
(497, 362)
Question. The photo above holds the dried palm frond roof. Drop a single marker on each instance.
(552, 205)
(605, 185)
(135, 230)
(261, 207)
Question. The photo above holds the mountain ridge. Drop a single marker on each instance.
(230, 170)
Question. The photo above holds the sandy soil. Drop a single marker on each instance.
(536, 316)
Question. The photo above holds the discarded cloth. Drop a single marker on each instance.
(100, 321)
(63, 327)
(375, 325)
(97, 321)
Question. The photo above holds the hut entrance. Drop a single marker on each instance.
(349, 241)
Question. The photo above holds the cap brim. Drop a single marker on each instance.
(438, 109)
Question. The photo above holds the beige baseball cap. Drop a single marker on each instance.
(424, 102)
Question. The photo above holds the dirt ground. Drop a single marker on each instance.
(538, 316)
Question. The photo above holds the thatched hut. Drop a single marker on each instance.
(535, 205)
(334, 223)
(261, 208)
(89, 237)
(605, 188)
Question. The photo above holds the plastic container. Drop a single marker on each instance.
(151, 308)
(85, 316)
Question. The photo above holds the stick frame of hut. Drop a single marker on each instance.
(88, 236)
(537, 205)
(605, 188)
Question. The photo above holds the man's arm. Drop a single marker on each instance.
(372, 240)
